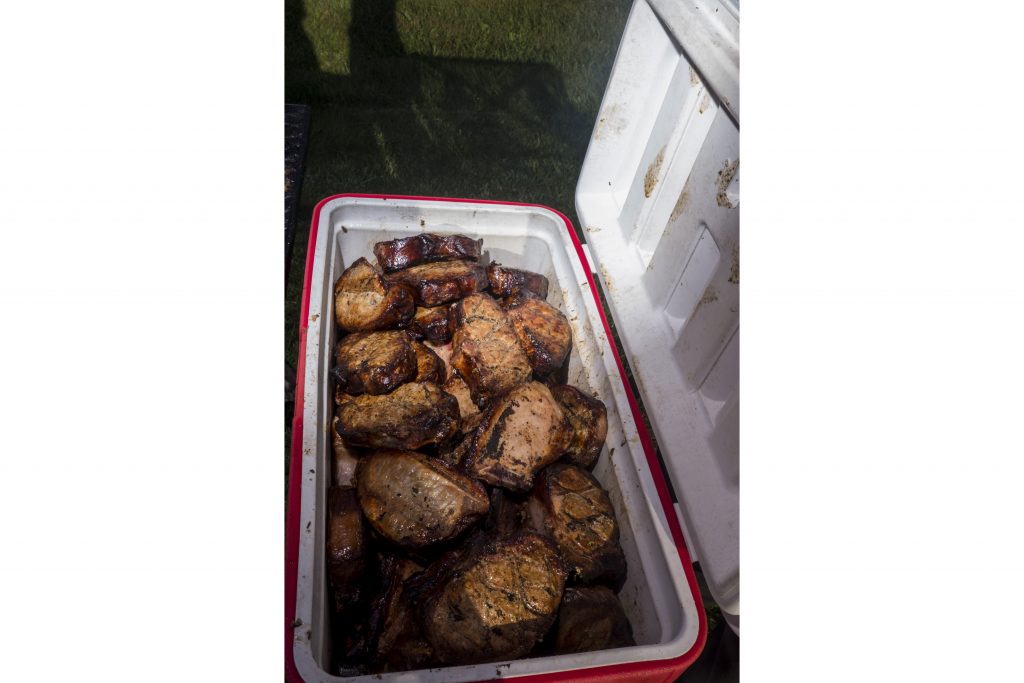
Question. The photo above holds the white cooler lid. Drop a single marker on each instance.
(658, 200)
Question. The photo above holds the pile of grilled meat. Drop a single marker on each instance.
(463, 525)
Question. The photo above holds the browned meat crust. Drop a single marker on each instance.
(589, 419)
(492, 601)
(542, 330)
(468, 411)
(430, 367)
(431, 324)
(485, 349)
(364, 300)
(509, 281)
(433, 284)
(591, 618)
(412, 416)
(346, 546)
(414, 500)
(520, 433)
(570, 506)
(374, 362)
(426, 248)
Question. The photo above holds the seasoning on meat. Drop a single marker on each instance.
(364, 300)
(493, 601)
(589, 419)
(485, 349)
(569, 505)
(412, 416)
(414, 500)
(520, 433)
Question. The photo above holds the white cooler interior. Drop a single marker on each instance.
(656, 596)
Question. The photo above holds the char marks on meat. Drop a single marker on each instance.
(433, 284)
(542, 330)
(425, 248)
(365, 301)
(412, 416)
(591, 618)
(569, 505)
(589, 419)
(485, 349)
(374, 362)
(494, 601)
(506, 282)
(346, 546)
(520, 433)
(415, 501)
(431, 324)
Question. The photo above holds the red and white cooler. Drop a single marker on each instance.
(658, 200)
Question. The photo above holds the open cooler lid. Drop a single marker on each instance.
(658, 201)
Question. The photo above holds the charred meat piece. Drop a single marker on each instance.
(589, 420)
(343, 464)
(398, 644)
(468, 412)
(493, 602)
(520, 433)
(542, 330)
(374, 362)
(364, 300)
(485, 349)
(414, 500)
(509, 281)
(570, 506)
(411, 416)
(426, 248)
(433, 284)
(346, 546)
(455, 453)
(591, 618)
(431, 324)
(505, 515)
(430, 368)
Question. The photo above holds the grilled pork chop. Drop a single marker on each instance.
(492, 601)
(485, 349)
(433, 284)
(411, 416)
(431, 324)
(570, 506)
(364, 300)
(542, 330)
(520, 433)
(589, 420)
(346, 546)
(430, 368)
(426, 248)
(509, 281)
(374, 362)
(414, 500)
(591, 618)
(397, 643)
(444, 352)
